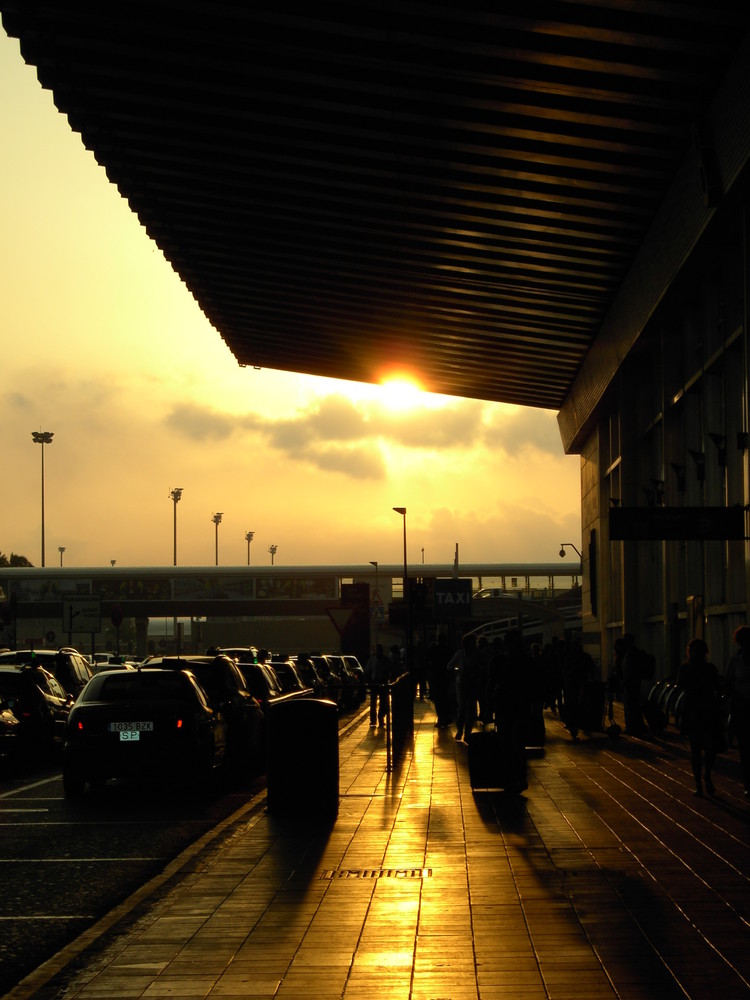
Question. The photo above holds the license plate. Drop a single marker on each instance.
(129, 735)
(131, 727)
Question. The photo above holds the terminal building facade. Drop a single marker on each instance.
(669, 436)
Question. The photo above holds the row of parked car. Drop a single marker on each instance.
(182, 716)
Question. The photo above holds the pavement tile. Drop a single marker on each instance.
(604, 872)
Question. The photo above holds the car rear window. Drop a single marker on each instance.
(146, 686)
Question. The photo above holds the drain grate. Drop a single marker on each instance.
(336, 873)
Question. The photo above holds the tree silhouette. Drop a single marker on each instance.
(14, 560)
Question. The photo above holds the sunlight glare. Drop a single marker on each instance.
(401, 393)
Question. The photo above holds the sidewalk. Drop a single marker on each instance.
(607, 878)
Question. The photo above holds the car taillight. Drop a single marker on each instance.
(179, 723)
(80, 727)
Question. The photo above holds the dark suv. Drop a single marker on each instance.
(66, 664)
(222, 680)
(40, 704)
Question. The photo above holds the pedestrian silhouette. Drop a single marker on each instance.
(700, 718)
(377, 672)
(738, 691)
(465, 667)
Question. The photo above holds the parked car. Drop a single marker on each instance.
(350, 696)
(248, 654)
(310, 675)
(262, 682)
(68, 665)
(143, 724)
(109, 661)
(228, 692)
(334, 681)
(289, 677)
(39, 703)
(10, 736)
(358, 672)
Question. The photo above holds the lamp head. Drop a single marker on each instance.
(562, 551)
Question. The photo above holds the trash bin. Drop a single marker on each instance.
(303, 758)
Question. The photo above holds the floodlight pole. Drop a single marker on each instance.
(217, 521)
(407, 602)
(42, 438)
(176, 495)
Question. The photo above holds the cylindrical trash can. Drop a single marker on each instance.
(303, 758)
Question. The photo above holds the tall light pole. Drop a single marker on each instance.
(407, 602)
(272, 549)
(176, 495)
(249, 535)
(42, 438)
(61, 549)
(217, 521)
(374, 562)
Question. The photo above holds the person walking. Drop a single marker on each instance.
(738, 690)
(377, 671)
(513, 696)
(438, 656)
(701, 715)
(466, 669)
(575, 671)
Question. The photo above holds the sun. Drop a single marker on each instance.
(401, 393)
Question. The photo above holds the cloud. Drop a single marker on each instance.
(331, 419)
(199, 423)
(357, 463)
(17, 402)
(456, 426)
(335, 434)
(521, 429)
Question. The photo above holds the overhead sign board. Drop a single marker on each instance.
(676, 523)
(81, 613)
(452, 598)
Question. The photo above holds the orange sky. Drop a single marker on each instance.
(104, 346)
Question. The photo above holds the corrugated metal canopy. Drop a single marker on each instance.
(458, 191)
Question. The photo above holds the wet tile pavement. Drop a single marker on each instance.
(606, 878)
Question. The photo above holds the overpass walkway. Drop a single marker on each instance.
(607, 878)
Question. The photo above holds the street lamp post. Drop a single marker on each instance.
(176, 495)
(374, 562)
(407, 602)
(42, 438)
(569, 545)
(249, 535)
(272, 549)
(217, 521)
(61, 549)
